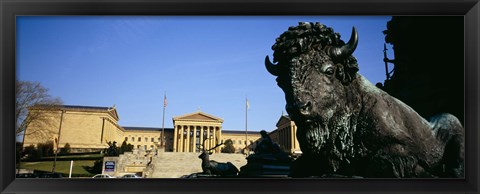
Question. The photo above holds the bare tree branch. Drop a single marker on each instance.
(30, 98)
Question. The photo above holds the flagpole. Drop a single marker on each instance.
(246, 126)
(163, 120)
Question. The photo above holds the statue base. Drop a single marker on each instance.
(267, 165)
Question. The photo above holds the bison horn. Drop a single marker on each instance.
(271, 68)
(347, 49)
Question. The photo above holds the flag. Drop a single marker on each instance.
(248, 104)
(165, 101)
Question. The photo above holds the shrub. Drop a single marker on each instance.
(96, 168)
(65, 150)
(18, 152)
(228, 148)
(45, 149)
(31, 153)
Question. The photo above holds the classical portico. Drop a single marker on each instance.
(192, 129)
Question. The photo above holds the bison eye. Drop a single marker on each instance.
(329, 71)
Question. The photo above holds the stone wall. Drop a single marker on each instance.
(129, 162)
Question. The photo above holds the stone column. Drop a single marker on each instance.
(220, 134)
(214, 138)
(185, 139)
(202, 129)
(207, 144)
(295, 139)
(194, 138)
(292, 138)
(187, 147)
(187, 142)
(175, 131)
(182, 137)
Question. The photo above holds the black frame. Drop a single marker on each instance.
(11, 8)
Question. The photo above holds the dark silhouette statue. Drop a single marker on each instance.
(212, 167)
(267, 161)
(112, 149)
(266, 145)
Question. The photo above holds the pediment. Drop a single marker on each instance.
(283, 119)
(198, 116)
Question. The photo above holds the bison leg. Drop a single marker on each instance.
(453, 159)
(388, 165)
(449, 131)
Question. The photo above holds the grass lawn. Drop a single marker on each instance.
(85, 156)
(79, 167)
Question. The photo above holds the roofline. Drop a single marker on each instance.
(129, 128)
(239, 131)
(110, 110)
(280, 119)
(197, 112)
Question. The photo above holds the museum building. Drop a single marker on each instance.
(285, 135)
(89, 129)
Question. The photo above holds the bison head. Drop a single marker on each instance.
(315, 69)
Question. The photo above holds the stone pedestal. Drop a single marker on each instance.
(267, 165)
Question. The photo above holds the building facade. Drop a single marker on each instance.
(238, 138)
(195, 131)
(86, 129)
(89, 129)
(146, 138)
(285, 135)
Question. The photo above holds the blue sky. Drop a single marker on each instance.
(207, 63)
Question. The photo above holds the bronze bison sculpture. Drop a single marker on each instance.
(349, 127)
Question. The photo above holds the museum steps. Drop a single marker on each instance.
(177, 164)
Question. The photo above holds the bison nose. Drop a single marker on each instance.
(302, 109)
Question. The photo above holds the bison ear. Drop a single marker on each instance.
(350, 76)
(340, 73)
(346, 74)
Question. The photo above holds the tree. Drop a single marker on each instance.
(28, 95)
(228, 148)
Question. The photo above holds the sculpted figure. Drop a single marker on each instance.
(266, 145)
(349, 127)
(212, 167)
(112, 149)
